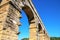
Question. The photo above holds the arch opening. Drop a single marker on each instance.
(30, 25)
(24, 28)
(29, 13)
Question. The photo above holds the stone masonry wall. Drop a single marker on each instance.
(9, 21)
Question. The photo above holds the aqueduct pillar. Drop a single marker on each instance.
(9, 20)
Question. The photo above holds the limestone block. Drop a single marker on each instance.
(13, 10)
(4, 2)
(9, 19)
(10, 33)
(33, 25)
(3, 15)
(33, 33)
(1, 27)
(0, 36)
(7, 37)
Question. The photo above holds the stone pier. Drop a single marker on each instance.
(10, 13)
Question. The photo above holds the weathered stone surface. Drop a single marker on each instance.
(9, 20)
(33, 32)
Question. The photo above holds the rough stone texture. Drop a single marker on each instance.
(33, 32)
(9, 20)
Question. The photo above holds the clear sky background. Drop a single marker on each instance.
(49, 11)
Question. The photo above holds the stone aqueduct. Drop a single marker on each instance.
(10, 12)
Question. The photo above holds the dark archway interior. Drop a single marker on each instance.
(29, 13)
(0, 1)
(39, 27)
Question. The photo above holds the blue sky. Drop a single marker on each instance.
(49, 11)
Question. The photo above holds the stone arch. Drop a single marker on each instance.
(32, 17)
(31, 21)
(31, 13)
(28, 12)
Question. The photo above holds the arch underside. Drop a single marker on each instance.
(28, 13)
(36, 29)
